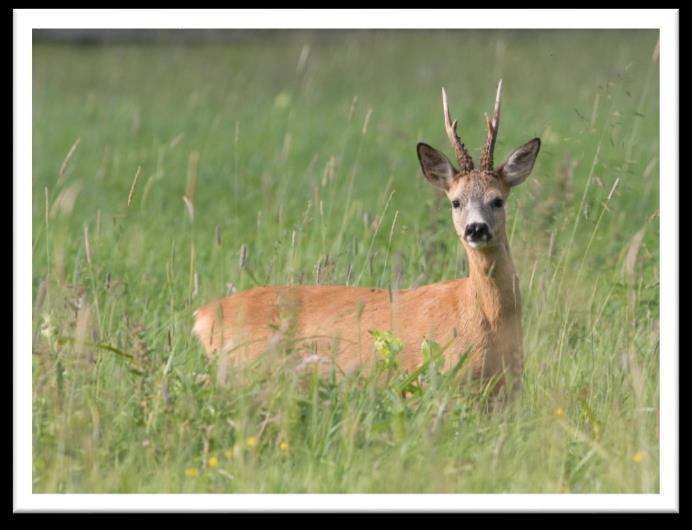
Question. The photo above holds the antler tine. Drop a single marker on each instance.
(493, 126)
(463, 157)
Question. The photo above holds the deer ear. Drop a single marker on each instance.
(436, 166)
(519, 164)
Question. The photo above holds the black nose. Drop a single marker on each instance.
(476, 231)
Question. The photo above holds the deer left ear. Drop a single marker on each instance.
(436, 166)
(519, 164)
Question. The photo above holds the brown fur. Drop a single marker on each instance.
(480, 314)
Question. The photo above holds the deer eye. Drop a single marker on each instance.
(456, 203)
(497, 203)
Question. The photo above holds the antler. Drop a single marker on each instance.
(463, 157)
(489, 149)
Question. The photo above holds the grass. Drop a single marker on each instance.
(166, 176)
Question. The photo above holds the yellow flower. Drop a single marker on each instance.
(191, 472)
(48, 330)
(251, 442)
(283, 446)
(213, 461)
(559, 412)
(637, 457)
(228, 453)
(282, 100)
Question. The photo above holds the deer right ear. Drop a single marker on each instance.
(436, 166)
(519, 163)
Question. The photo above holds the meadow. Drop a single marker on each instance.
(166, 176)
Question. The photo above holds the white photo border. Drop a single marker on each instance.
(666, 21)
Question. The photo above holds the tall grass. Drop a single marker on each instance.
(165, 177)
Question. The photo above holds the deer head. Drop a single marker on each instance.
(477, 195)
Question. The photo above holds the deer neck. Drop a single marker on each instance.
(494, 284)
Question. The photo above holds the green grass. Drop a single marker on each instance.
(312, 172)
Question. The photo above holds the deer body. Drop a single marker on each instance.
(479, 315)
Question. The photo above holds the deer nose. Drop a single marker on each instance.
(477, 232)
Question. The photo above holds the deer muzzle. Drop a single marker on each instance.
(477, 234)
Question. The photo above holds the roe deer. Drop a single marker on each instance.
(480, 314)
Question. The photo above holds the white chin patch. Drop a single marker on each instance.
(477, 244)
